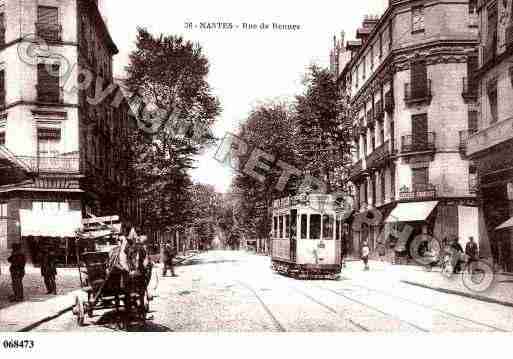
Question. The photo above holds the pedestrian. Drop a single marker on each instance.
(457, 252)
(49, 270)
(17, 269)
(365, 254)
(169, 254)
(471, 250)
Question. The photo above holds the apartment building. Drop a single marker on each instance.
(410, 80)
(77, 149)
(491, 146)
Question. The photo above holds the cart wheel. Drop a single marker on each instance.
(79, 311)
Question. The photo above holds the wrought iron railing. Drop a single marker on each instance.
(417, 93)
(51, 33)
(58, 164)
(418, 143)
(464, 136)
(469, 89)
(419, 192)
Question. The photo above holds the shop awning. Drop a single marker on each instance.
(57, 225)
(411, 212)
(507, 224)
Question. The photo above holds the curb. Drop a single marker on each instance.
(461, 294)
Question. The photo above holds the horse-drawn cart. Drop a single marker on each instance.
(114, 280)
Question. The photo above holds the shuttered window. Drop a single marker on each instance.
(47, 15)
(418, 79)
(2, 87)
(419, 131)
(491, 38)
(47, 25)
(420, 178)
(48, 84)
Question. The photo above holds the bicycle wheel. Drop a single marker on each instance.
(478, 276)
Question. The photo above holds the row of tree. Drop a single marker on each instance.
(308, 134)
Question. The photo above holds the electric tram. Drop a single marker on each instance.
(307, 236)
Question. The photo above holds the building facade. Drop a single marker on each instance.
(413, 105)
(52, 119)
(491, 146)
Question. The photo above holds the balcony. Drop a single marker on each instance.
(418, 143)
(356, 169)
(469, 92)
(418, 95)
(420, 192)
(59, 164)
(464, 136)
(380, 156)
(50, 33)
(389, 102)
(378, 111)
(49, 95)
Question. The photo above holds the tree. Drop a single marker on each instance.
(269, 128)
(169, 74)
(323, 141)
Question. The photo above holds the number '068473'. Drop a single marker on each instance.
(17, 344)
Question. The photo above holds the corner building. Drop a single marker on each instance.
(410, 79)
(77, 153)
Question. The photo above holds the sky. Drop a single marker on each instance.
(246, 66)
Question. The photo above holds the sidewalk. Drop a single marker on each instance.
(501, 292)
(38, 306)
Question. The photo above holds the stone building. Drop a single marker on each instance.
(491, 146)
(413, 104)
(51, 119)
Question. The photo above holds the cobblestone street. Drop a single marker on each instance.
(237, 292)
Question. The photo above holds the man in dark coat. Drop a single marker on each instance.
(471, 250)
(167, 260)
(17, 268)
(48, 270)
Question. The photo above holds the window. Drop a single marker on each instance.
(383, 186)
(392, 182)
(2, 27)
(472, 121)
(418, 80)
(327, 227)
(472, 84)
(337, 229)
(293, 224)
(287, 226)
(381, 128)
(492, 100)
(357, 143)
(280, 226)
(364, 137)
(420, 178)
(49, 140)
(315, 226)
(373, 139)
(3, 210)
(373, 189)
(47, 25)
(419, 140)
(491, 39)
(48, 83)
(380, 46)
(372, 58)
(417, 19)
(304, 226)
(472, 7)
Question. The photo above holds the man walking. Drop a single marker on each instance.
(49, 270)
(17, 269)
(365, 255)
(169, 254)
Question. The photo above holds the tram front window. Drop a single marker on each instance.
(315, 226)
(293, 224)
(304, 226)
(327, 227)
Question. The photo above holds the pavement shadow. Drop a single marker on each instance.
(199, 261)
(112, 320)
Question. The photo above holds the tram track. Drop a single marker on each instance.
(445, 313)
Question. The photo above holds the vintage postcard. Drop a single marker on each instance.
(255, 166)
